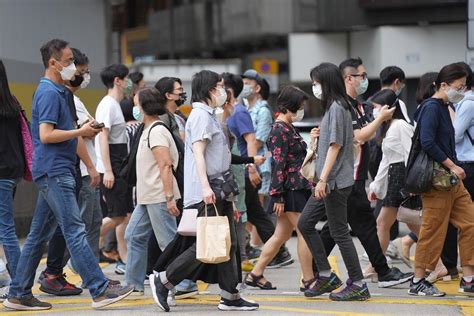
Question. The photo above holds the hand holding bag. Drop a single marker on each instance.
(213, 238)
(187, 224)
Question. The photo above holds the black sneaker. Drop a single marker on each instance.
(394, 277)
(351, 292)
(241, 304)
(112, 294)
(179, 295)
(57, 285)
(323, 285)
(424, 288)
(160, 292)
(253, 253)
(283, 258)
(26, 304)
(466, 287)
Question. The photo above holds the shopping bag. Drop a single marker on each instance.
(188, 222)
(213, 238)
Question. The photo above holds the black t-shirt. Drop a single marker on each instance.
(362, 154)
(12, 159)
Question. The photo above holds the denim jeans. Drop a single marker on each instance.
(8, 236)
(57, 205)
(145, 220)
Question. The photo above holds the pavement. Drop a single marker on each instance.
(286, 300)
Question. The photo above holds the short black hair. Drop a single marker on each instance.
(80, 58)
(166, 84)
(291, 99)
(426, 86)
(53, 48)
(391, 73)
(350, 63)
(234, 82)
(109, 73)
(265, 89)
(450, 73)
(136, 77)
(469, 78)
(332, 84)
(152, 101)
(202, 83)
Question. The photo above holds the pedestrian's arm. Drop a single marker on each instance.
(331, 157)
(199, 147)
(104, 149)
(50, 135)
(367, 132)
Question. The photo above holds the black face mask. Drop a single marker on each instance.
(182, 99)
(78, 79)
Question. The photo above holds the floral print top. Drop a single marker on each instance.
(288, 152)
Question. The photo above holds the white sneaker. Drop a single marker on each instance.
(171, 299)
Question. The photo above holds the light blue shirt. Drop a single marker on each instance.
(464, 122)
(202, 125)
(262, 119)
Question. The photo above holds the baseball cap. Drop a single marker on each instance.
(252, 74)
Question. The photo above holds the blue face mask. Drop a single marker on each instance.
(137, 114)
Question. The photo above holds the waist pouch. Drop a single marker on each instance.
(224, 185)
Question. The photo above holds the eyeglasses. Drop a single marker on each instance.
(220, 85)
(67, 62)
(362, 75)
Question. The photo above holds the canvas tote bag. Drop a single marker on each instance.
(213, 238)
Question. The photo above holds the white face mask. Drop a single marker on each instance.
(376, 112)
(317, 91)
(299, 116)
(86, 81)
(68, 72)
(222, 97)
(454, 96)
(246, 91)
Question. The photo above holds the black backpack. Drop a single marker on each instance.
(179, 172)
(128, 170)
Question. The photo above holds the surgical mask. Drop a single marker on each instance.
(454, 96)
(87, 80)
(78, 79)
(299, 116)
(376, 112)
(317, 91)
(68, 72)
(246, 91)
(222, 97)
(363, 85)
(399, 91)
(182, 98)
(137, 114)
(128, 89)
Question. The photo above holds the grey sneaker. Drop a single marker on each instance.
(112, 294)
(26, 304)
(424, 288)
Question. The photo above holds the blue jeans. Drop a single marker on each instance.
(145, 220)
(57, 205)
(8, 236)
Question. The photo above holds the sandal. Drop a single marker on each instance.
(306, 284)
(253, 280)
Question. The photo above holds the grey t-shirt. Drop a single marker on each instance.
(336, 128)
(202, 125)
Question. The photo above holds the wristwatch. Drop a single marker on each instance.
(169, 198)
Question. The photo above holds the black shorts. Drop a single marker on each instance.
(396, 182)
(295, 201)
(117, 200)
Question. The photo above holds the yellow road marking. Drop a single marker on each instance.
(468, 311)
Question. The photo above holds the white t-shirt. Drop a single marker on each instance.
(149, 182)
(110, 113)
(83, 116)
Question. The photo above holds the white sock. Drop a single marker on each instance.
(325, 273)
(359, 283)
(416, 280)
(468, 278)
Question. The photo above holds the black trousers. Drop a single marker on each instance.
(362, 221)
(256, 214)
(186, 264)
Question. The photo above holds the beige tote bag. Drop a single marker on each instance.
(213, 238)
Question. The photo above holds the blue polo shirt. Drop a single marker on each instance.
(240, 123)
(50, 105)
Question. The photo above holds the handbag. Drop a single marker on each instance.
(188, 222)
(27, 147)
(443, 179)
(419, 169)
(308, 168)
(410, 211)
(213, 238)
(224, 185)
